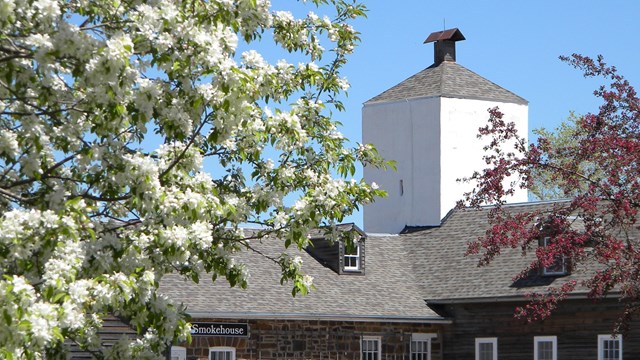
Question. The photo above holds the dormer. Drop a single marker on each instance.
(560, 264)
(340, 248)
(552, 230)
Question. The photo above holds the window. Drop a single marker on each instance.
(609, 347)
(370, 348)
(178, 353)
(559, 266)
(352, 257)
(486, 348)
(421, 346)
(545, 348)
(222, 353)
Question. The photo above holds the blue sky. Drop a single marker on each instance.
(515, 44)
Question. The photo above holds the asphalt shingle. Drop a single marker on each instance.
(402, 272)
(387, 290)
(448, 79)
(445, 273)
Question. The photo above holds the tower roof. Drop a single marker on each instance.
(447, 79)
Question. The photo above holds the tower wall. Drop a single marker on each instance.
(407, 132)
(434, 143)
(462, 150)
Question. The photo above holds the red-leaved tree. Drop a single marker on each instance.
(597, 227)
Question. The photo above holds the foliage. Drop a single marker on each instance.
(137, 137)
(543, 186)
(596, 229)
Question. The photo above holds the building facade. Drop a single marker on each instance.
(407, 291)
(317, 339)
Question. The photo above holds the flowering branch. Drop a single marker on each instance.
(595, 165)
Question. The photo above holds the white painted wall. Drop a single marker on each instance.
(434, 143)
(461, 151)
(409, 133)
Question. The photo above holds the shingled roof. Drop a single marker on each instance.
(388, 291)
(451, 80)
(403, 271)
(446, 274)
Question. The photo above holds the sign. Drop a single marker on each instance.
(219, 329)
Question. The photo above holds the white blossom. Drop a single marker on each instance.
(343, 84)
(307, 281)
(137, 138)
(6, 9)
(252, 58)
(8, 143)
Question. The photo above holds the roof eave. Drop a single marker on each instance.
(324, 317)
(448, 96)
(495, 299)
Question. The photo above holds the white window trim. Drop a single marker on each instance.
(564, 262)
(493, 341)
(552, 339)
(223, 349)
(423, 337)
(357, 256)
(603, 338)
(179, 351)
(378, 350)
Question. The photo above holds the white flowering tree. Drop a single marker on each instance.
(137, 137)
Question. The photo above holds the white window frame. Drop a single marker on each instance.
(493, 341)
(179, 353)
(545, 270)
(424, 338)
(378, 351)
(608, 337)
(356, 256)
(223, 349)
(539, 339)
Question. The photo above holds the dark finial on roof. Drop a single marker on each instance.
(444, 48)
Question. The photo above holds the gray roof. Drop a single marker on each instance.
(446, 274)
(402, 273)
(388, 289)
(448, 79)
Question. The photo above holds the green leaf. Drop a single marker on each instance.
(6, 316)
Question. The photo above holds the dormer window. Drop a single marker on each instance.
(340, 248)
(352, 257)
(559, 266)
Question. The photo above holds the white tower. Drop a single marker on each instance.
(429, 125)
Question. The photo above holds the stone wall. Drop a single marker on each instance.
(310, 339)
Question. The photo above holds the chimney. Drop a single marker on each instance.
(444, 48)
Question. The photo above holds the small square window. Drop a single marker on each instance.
(545, 348)
(351, 259)
(178, 353)
(370, 348)
(559, 266)
(609, 347)
(222, 353)
(421, 346)
(486, 348)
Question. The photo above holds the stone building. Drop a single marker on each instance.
(407, 291)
